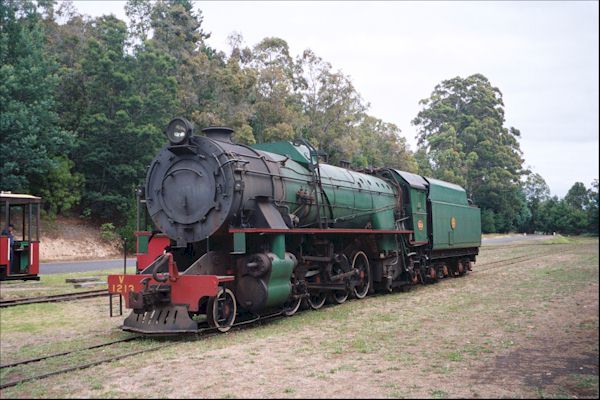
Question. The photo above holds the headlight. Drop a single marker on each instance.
(179, 130)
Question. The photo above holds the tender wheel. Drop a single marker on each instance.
(460, 267)
(221, 310)
(432, 275)
(361, 263)
(316, 300)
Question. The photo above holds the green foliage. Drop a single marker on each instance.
(127, 229)
(576, 214)
(108, 232)
(488, 221)
(32, 140)
(558, 216)
(85, 102)
(63, 187)
(536, 191)
(462, 139)
(127, 101)
(592, 211)
(578, 196)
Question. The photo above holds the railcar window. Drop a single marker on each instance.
(17, 218)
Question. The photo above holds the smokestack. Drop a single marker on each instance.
(220, 133)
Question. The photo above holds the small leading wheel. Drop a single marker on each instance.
(360, 262)
(221, 310)
(316, 299)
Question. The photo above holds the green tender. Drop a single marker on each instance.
(449, 206)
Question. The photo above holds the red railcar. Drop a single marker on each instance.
(19, 255)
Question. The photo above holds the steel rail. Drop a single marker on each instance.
(96, 346)
(203, 333)
(516, 260)
(54, 298)
(200, 334)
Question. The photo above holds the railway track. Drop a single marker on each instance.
(66, 353)
(55, 298)
(201, 334)
(514, 260)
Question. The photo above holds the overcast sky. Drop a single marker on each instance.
(543, 56)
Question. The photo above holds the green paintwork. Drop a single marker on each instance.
(416, 208)
(450, 201)
(24, 263)
(279, 286)
(300, 154)
(349, 199)
(142, 242)
(446, 192)
(239, 243)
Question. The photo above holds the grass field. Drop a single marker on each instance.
(523, 324)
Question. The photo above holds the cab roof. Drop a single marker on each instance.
(16, 198)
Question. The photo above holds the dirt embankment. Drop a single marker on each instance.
(67, 239)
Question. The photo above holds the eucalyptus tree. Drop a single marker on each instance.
(333, 107)
(462, 134)
(277, 108)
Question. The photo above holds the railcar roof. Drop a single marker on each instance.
(19, 198)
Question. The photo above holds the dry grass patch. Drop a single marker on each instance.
(520, 329)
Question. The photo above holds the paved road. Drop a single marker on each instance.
(81, 266)
(511, 239)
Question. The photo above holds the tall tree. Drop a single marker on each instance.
(332, 105)
(177, 31)
(461, 130)
(130, 98)
(380, 145)
(227, 92)
(32, 141)
(578, 196)
(277, 109)
(536, 191)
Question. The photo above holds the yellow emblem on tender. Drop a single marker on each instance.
(420, 225)
(453, 222)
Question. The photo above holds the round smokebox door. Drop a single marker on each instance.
(188, 192)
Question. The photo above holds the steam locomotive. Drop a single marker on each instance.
(250, 230)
